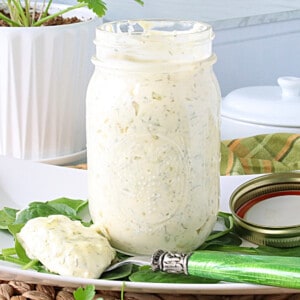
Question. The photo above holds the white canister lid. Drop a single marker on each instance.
(266, 105)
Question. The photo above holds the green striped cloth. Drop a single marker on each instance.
(266, 153)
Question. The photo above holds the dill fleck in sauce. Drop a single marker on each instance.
(153, 135)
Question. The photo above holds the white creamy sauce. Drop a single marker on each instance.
(66, 247)
(153, 149)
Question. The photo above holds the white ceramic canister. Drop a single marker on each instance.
(257, 110)
(153, 135)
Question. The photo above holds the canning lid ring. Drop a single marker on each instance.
(266, 187)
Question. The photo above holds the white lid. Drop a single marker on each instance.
(268, 105)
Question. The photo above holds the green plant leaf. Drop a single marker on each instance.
(86, 293)
(7, 217)
(20, 17)
(227, 239)
(74, 209)
(15, 228)
(119, 273)
(97, 6)
(74, 204)
(266, 250)
(14, 222)
(21, 252)
(61, 206)
(34, 210)
(10, 212)
(145, 274)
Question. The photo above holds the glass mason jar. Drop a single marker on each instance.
(153, 135)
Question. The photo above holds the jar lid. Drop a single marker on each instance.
(267, 105)
(266, 210)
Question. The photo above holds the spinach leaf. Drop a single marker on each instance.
(226, 236)
(61, 206)
(72, 205)
(120, 273)
(265, 250)
(7, 217)
(21, 252)
(228, 239)
(35, 210)
(13, 220)
(260, 250)
(145, 274)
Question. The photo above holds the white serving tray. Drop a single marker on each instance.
(22, 182)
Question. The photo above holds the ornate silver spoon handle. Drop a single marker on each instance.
(278, 271)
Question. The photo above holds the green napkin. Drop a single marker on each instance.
(265, 153)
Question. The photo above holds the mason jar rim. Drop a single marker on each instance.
(168, 27)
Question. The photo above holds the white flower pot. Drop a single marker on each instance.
(44, 73)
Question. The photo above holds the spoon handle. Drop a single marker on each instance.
(280, 271)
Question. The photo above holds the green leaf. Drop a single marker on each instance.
(13, 222)
(7, 217)
(21, 252)
(97, 6)
(31, 264)
(119, 273)
(64, 209)
(86, 293)
(226, 236)
(20, 17)
(62, 206)
(74, 204)
(15, 228)
(10, 212)
(8, 251)
(266, 250)
(227, 239)
(226, 217)
(35, 210)
(145, 274)
(260, 250)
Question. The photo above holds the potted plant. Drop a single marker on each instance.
(45, 52)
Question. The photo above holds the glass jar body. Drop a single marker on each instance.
(153, 150)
